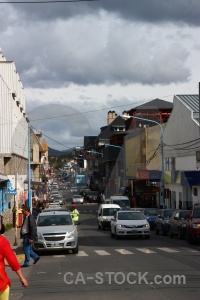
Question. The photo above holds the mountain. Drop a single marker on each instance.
(53, 152)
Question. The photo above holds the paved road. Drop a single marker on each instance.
(106, 268)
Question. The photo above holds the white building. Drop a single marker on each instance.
(13, 129)
(181, 150)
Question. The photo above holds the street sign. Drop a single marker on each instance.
(10, 189)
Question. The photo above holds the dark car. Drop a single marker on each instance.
(162, 220)
(151, 215)
(177, 223)
(193, 225)
(90, 196)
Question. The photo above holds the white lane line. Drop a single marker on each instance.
(169, 250)
(124, 251)
(59, 256)
(145, 250)
(102, 252)
(188, 249)
(82, 253)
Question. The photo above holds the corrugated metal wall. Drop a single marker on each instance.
(14, 126)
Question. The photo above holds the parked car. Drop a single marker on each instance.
(105, 213)
(56, 231)
(77, 199)
(193, 225)
(129, 223)
(177, 223)
(162, 220)
(151, 215)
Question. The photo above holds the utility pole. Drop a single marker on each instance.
(15, 204)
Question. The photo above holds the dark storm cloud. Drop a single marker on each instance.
(186, 11)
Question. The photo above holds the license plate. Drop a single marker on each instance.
(55, 245)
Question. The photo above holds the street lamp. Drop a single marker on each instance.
(162, 152)
(94, 152)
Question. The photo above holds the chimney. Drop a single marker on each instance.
(111, 117)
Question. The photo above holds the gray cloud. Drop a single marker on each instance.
(84, 52)
(154, 11)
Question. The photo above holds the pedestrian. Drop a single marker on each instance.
(75, 214)
(99, 199)
(7, 253)
(29, 234)
(35, 211)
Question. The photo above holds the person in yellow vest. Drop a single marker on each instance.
(75, 214)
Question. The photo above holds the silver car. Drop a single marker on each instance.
(77, 199)
(56, 231)
(129, 223)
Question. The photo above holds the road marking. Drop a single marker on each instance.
(59, 255)
(124, 251)
(82, 253)
(188, 249)
(101, 252)
(145, 250)
(168, 250)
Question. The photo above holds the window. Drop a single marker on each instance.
(195, 192)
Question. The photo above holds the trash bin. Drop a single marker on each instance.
(19, 220)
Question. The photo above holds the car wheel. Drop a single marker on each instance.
(102, 226)
(116, 235)
(180, 235)
(156, 230)
(75, 250)
(147, 237)
(189, 237)
(171, 234)
(163, 231)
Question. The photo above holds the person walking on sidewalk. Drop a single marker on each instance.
(7, 253)
(29, 234)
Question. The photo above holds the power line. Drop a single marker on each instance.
(52, 139)
(45, 2)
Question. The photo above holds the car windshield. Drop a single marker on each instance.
(183, 214)
(54, 220)
(168, 213)
(151, 212)
(131, 216)
(77, 196)
(110, 211)
(122, 203)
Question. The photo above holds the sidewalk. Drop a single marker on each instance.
(16, 291)
(14, 238)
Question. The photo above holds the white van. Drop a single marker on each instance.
(105, 214)
(122, 201)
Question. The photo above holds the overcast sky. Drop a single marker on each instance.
(79, 60)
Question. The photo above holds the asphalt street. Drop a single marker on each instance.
(106, 268)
